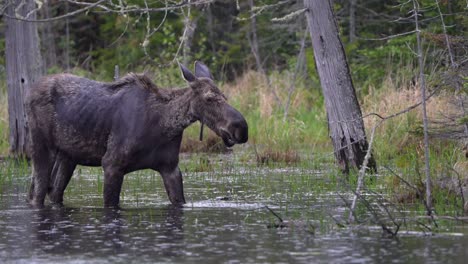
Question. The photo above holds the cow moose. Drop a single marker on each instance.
(126, 125)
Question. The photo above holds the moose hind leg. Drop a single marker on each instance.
(174, 186)
(61, 174)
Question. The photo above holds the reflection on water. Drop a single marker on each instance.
(222, 222)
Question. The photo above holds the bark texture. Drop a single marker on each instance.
(23, 67)
(345, 122)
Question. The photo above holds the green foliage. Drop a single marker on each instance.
(370, 65)
(125, 43)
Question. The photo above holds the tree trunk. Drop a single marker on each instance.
(190, 27)
(352, 20)
(256, 52)
(23, 67)
(422, 84)
(345, 122)
(210, 21)
(254, 41)
(48, 37)
(67, 39)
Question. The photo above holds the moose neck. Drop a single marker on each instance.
(174, 109)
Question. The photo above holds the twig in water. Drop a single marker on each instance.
(281, 223)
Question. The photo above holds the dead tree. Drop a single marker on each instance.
(23, 68)
(345, 123)
(190, 24)
(423, 96)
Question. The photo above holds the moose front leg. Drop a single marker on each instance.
(174, 186)
(113, 179)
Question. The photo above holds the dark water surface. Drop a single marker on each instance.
(225, 221)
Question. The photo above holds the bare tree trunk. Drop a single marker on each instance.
(254, 40)
(352, 20)
(345, 123)
(190, 26)
(450, 7)
(254, 47)
(423, 96)
(48, 38)
(23, 67)
(67, 39)
(116, 72)
(210, 28)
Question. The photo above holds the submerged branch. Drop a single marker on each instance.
(362, 172)
(275, 214)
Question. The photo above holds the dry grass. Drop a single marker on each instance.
(4, 144)
(211, 143)
(274, 156)
(391, 99)
(400, 139)
(248, 83)
(407, 128)
(251, 92)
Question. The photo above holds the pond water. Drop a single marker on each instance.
(224, 221)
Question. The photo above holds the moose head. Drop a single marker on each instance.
(210, 106)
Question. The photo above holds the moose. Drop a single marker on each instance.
(126, 125)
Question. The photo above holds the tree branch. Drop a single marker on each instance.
(111, 9)
(74, 13)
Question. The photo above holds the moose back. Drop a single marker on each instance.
(123, 126)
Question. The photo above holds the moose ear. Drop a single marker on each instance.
(188, 75)
(201, 70)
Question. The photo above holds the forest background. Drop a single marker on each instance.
(260, 53)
